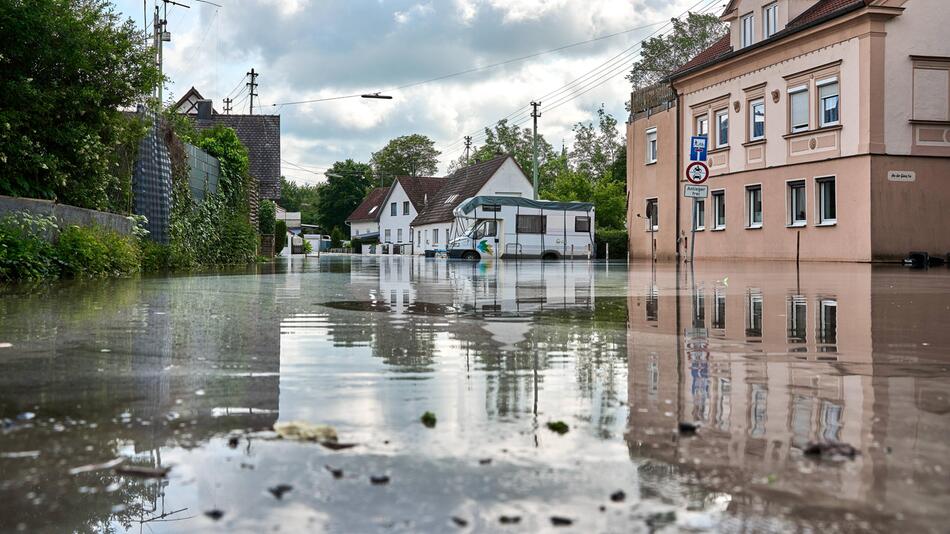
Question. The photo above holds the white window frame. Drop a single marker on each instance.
(435, 236)
(389, 235)
(769, 20)
(399, 235)
(655, 216)
(722, 114)
(752, 106)
(700, 130)
(652, 146)
(720, 193)
(748, 30)
(791, 204)
(822, 220)
(821, 104)
(405, 207)
(699, 225)
(791, 109)
(750, 223)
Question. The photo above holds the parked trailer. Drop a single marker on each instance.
(515, 227)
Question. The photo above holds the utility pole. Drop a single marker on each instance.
(534, 147)
(227, 106)
(157, 47)
(252, 85)
(468, 146)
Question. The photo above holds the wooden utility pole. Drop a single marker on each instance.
(252, 85)
(534, 149)
(227, 106)
(468, 147)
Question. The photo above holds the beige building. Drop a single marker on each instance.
(828, 127)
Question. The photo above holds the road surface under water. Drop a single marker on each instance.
(192, 372)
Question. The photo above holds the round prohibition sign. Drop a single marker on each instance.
(697, 172)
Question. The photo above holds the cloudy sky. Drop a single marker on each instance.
(312, 49)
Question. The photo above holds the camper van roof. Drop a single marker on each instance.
(494, 200)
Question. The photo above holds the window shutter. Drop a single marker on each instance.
(800, 108)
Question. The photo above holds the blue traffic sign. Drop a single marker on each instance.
(697, 148)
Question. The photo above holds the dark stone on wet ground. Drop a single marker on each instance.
(558, 426)
(830, 451)
(687, 429)
(279, 490)
(142, 471)
(459, 521)
(618, 496)
(484, 461)
(335, 471)
(215, 514)
(233, 441)
(428, 419)
(336, 446)
(378, 480)
(510, 519)
(559, 521)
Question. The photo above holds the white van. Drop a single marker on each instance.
(515, 227)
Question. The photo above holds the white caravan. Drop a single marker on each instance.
(515, 227)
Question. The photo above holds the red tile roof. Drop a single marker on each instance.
(715, 51)
(821, 9)
(368, 210)
(463, 184)
(420, 188)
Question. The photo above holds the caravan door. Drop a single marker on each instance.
(489, 238)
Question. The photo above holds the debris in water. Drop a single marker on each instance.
(142, 471)
(336, 471)
(378, 480)
(279, 490)
(459, 521)
(558, 426)
(26, 416)
(301, 430)
(20, 454)
(688, 429)
(831, 451)
(88, 468)
(484, 461)
(510, 519)
(618, 496)
(428, 419)
(5, 345)
(233, 441)
(559, 521)
(660, 519)
(335, 446)
(215, 514)
(602, 508)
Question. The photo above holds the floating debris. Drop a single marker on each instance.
(335, 471)
(279, 490)
(687, 429)
(215, 514)
(618, 496)
(459, 521)
(88, 468)
(831, 451)
(510, 519)
(484, 461)
(5, 345)
(559, 521)
(336, 446)
(428, 419)
(660, 519)
(378, 480)
(558, 426)
(303, 431)
(26, 416)
(233, 441)
(20, 454)
(142, 471)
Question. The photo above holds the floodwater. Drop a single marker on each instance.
(765, 359)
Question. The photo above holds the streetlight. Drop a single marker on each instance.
(377, 96)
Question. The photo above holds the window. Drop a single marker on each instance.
(753, 321)
(389, 235)
(828, 102)
(487, 229)
(582, 224)
(798, 108)
(719, 209)
(447, 237)
(451, 199)
(419, 236)
(748, 27)
(492, 207)
(399, 235)
(769, 20)
(435, 235)
(796, 319)
(796, 203)
(651, 145)
(702, 126)
(392, 209)
(932, 90)
(652, 216)
(753, 195)
(827, 209)
(722, 128)
(531, 224)
(699, 215)
(405, 207)
(756, 120)
(373, 209)
(719, 310)
(827, 331)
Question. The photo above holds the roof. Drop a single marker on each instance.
(260, 134)
(187, 104)
(495, 200)
(420, 188)
(368, 210)
(819, 12)
(460, 185)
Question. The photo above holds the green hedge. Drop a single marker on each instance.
(617, 240)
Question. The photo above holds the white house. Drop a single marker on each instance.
(406, 198)
(364, 221)
(435, 225)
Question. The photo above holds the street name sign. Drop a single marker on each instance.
(697, 172)
(697, 148)
(696, 191)
(902, 176)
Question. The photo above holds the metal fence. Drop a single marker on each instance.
(152, 180)
(203, 173)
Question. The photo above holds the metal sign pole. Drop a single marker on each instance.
(692, 238)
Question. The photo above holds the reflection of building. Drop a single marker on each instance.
(768, 359)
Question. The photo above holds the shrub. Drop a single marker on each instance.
(238, 241)
(280, 236)
(94, 252)
(155, 256)
(25, 250)
(307, 247)
(267, 217)
(617, 240)
(357, 245)
(336, 237)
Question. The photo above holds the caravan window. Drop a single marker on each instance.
(532, 224)
(491, 207)
(582, 224)
(486, 229)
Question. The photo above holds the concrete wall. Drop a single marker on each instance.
(66, 214)
(652, 180)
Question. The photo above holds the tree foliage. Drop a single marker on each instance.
(662, 55)
(300, 197)
(409, 155)
(596, 148)
(347, 183)
(66, 68)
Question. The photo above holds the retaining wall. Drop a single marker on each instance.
(66, 214)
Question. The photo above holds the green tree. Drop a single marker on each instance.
(66, 68)
(662, 55)
(409, 155)
(596, 147)
(300, 197)
(347, 184)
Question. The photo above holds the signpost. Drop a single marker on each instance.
(697, 148)
(696, 191)
(696, 174)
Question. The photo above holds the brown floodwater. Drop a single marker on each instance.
(696, 394)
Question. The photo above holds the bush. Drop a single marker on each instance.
(617, 240)
(307, 247)
(155, 256)
(336, 237)
(280, 236)
(25, 250)
(237, 242)
(267, 217)
(94, 252)
(357, 245)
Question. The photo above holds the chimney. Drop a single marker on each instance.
(204, 109)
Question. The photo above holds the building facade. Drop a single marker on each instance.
(364, 221)
(828, 128)
(407, 196)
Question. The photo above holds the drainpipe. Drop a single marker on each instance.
(679, 157)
